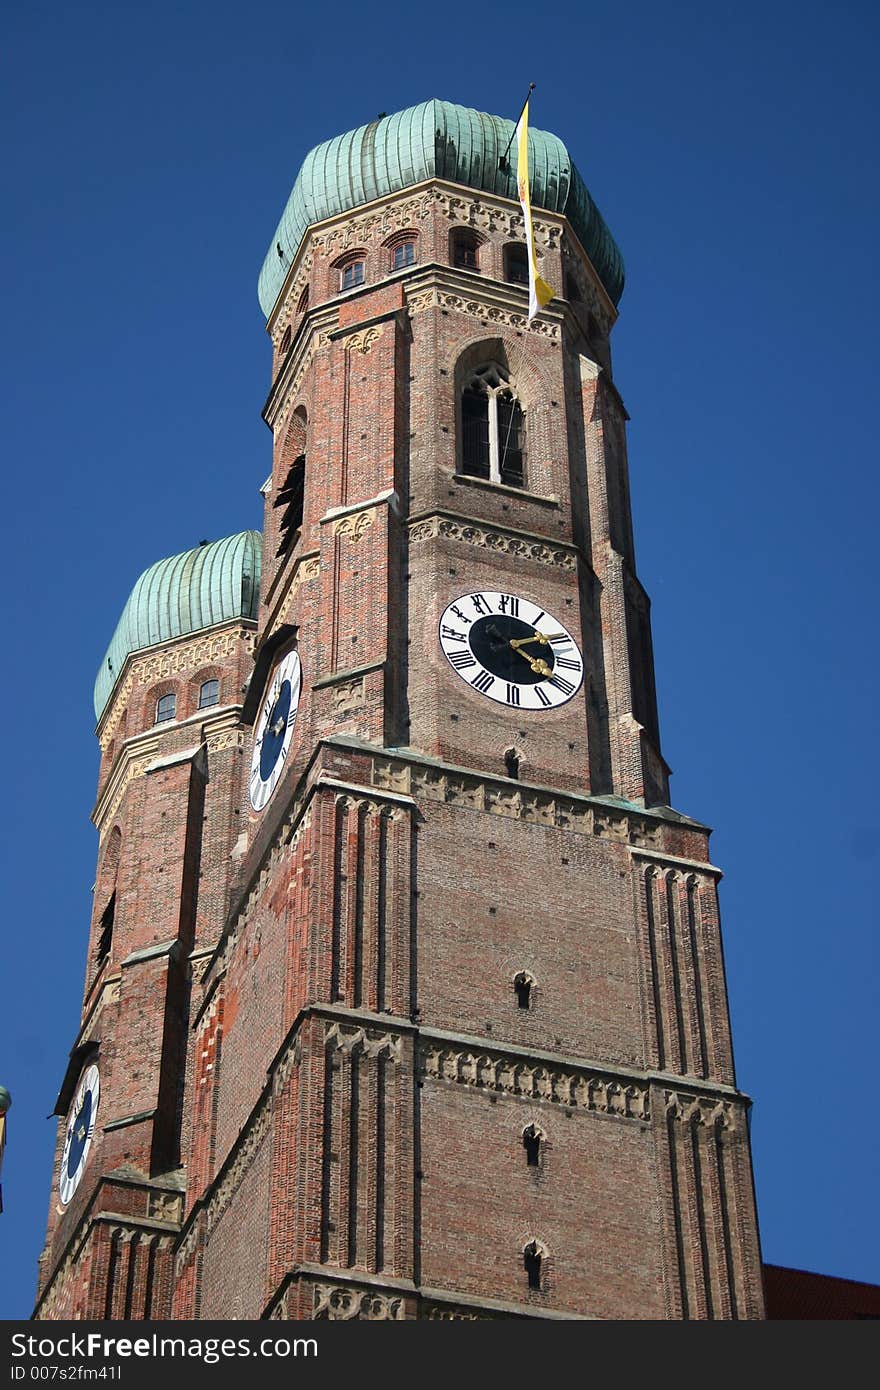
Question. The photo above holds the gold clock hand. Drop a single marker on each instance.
(537, 663)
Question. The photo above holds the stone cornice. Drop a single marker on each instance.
(528, 545)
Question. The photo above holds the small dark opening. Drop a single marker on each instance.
(523, 986)
(105, 937)
(532, 1262)
(532, 1145)
(285, 340)
(511, 762)
(516, 265)
(464, 251)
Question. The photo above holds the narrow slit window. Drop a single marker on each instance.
(523, 985)
(533, 1260)
(511, 763)
(532, 1145)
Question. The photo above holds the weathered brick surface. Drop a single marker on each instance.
(316, 1068)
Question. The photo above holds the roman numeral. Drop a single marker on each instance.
(454, 608)
(567, 663)
(509, 605)
(542, 697)
(555, 637)
(560, 683)
(481, 603)
(461, 660)
(450, 634)
(537, 618)
(513, 694)
(483, 682)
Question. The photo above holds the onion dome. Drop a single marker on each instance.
(434, 140)
(214, 583)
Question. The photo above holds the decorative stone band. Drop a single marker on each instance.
(482, 793)
(369, 1042)
(152, 665)
(450, 527)
(486, 313)
(346, 1303)
(707, 1112)
(578, 1087)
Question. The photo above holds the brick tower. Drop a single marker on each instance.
(405, 993)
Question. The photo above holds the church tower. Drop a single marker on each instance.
(405, 994)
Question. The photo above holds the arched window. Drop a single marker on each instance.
(291, 499)
(303, 302)
(209, 694)
(492, 442)
(465, 249)
(516, 263)
(403, 253)
(532, 1137)
(352, 273)
(533, 1258)
(523, 984)
(285, 341)
(166, 708)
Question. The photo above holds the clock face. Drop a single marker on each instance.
(80, 1128)
(511, 651)
(274, 729)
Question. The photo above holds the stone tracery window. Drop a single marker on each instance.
(492, 428)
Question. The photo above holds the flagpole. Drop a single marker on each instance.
(502, 163)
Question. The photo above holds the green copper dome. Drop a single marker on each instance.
(209, 585)
(434, 140)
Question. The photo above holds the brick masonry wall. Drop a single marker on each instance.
(326, 1038)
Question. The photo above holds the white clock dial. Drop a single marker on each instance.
(80, 1129)
(274, 729)
(510, 650)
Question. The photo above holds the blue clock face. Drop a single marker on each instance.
(274, 729)
(82, 1128)
(79, 1134)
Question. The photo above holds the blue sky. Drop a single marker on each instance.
(149, 153)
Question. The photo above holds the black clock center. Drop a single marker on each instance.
(511, 649)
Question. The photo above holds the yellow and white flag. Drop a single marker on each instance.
(540, 293)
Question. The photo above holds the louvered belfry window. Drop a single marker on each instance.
(492, 433)
(291, 499)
